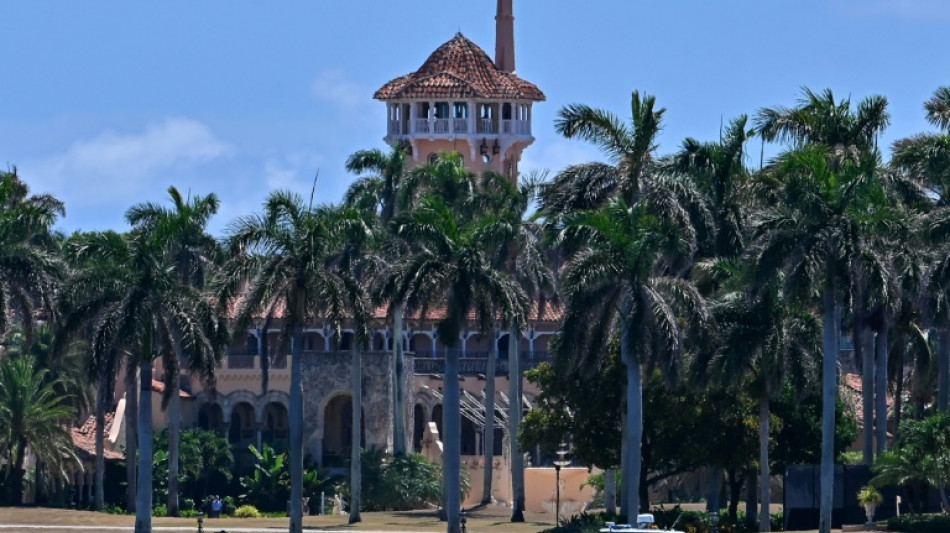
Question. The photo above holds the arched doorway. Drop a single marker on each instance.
(211, 417)
(276, 426)
(437, 418)
(241, 432)
(418, 426)
(338, 431)
(468, 441)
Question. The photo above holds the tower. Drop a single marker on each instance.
(460, 100)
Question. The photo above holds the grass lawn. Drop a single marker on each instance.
(487, 520)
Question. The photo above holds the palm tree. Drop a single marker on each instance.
(766, 341)
(290, 256)
(191, 251)
(811, 233)
(521, 255)
(138, 312)
(453, 244)
(380, 193)
(926, 159)
(612, 284)
(95, 282)
(30, 267)
(32, 417)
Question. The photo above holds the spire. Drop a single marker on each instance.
(505, 37)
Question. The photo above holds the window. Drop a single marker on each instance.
(506, 112)
(441, 110)
(460, 110)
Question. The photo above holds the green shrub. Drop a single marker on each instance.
(399, 483)
(159, 511)
(920, 523)
(247, 511)
(581, 523)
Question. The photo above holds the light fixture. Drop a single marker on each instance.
(483, 149)
(496, 148)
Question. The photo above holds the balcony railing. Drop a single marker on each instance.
(473, 366)
(456, 126)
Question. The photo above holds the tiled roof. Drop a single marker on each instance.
(84, 439)
(460, 69)
(851, 388)
(551, 312)
(158, 386)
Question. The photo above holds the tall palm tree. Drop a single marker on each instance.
(926, 159)
(30, 267)
(811, 233)
(31, 420)
(380, 193)
(94, 283)
(290, 256)
(181, 230)
(453, 244)
(611, 283)
(146, 305)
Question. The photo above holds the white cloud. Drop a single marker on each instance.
(113, 166)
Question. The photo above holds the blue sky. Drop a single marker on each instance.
(107, 103)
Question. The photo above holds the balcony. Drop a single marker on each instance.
(452, 127)
(475, 363)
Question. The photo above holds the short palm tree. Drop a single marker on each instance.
(767, 341)
(192, 251)
(612, 283)
(290, 255)
(33, 419)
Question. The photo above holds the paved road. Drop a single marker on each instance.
(192, 529)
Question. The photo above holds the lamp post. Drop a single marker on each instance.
(201, 521)
(561, 461)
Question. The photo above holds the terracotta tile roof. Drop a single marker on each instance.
(159, 387)
(84, 439)
(460, 69)
(850, 389)
(552, 313)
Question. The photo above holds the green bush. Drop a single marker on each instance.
(399, 483)
(582, 523)
(247, 511)
(159, 511)
(920, 523)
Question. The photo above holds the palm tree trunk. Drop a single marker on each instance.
(899, 343)
(864, 341)
(174, 444)
(18, 472)
(265, 359)
(296, 431)
(880, 388)
(765, 495)
(131, 435)
(488, 433)
(829, 390)
(399, 385)
(102, 393)
(451, 456)
(631, 454)
(610, 491)
(514, 425)
(943, 369)
(751, 501)
(356, 480)
(143, 505)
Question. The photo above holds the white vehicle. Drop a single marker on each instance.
(645, 524)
